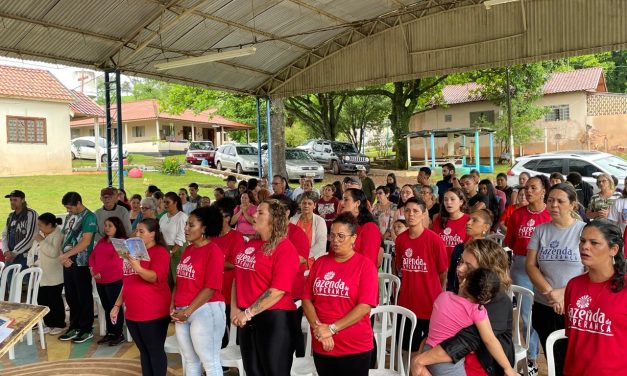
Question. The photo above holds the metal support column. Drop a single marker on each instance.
(477, 158)
(259, 160)
(108, 127)
(268, 125)
(491, 135)
(118, 105)
(432, 151)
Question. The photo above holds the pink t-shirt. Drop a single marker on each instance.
(452, 313)
(243, 226)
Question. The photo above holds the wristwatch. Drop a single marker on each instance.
(333, 328)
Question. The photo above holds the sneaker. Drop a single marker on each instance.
(116, 340)
(56, 331)
(533, 368)
(69, 335)
(105, 339)
(47, 329)
(82, 337)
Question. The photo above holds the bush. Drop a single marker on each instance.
(171, 166)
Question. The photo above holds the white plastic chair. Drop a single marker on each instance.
(550, 343)
(32, 291)
(521, 344)
(8, 280)
(304, 366)
(386, 265)
(388, 247)
(389, 287)
(102, 316)
(171, 346)
(1, 267)
(231, 356)
(392, 315)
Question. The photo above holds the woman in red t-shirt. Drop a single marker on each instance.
(341, 290)
(106, 268)
(197, 305)
(596, 305)
(146, 297)
(450, 224)
(261, 303)
(368, 241)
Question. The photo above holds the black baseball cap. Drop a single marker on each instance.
(16, 193)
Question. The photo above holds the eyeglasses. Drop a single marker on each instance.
(339, 236)
(144, 208)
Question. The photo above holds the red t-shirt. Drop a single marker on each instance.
(521, 225)
(421, 260)
(368, 242)
(231, 244)
(454, 232)
(256, 272)
(327, 210)
(335, 288)
(301, 242)
(144, 300)
(199, 268)
(596, 327)
(106, 261)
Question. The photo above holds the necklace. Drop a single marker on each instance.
(536, 212)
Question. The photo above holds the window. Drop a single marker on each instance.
(92, 132)
(317, 147)
(139, 131)
(557, 113)
(549, 166)
(481, 118)
(26, 130)
(75, 133)
(448, 118)
(584, 168)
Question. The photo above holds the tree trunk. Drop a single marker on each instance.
(277, 132)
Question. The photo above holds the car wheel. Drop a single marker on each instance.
(73, 156)
(104, 158)
(335, 167)
(238, 169)
(219, 165)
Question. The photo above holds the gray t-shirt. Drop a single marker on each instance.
(558, 254)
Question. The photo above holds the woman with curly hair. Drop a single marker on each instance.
(261, 304)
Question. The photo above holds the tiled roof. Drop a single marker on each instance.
(148, 109)
(589, 79)
(30, 83)
(85, 106)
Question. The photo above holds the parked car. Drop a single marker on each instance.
(238, 158)
(199, 151)
(298, 163)
(85, 148)
(588, 163)
(336, 156)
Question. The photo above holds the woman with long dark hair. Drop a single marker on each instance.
(407, 191)
(390, 181)
(368, 240)
(172, 226)
(496, 207)
(243, 216)
(450, 224)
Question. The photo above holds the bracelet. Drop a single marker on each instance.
(185, 314)
(248, 313)
(117, 305)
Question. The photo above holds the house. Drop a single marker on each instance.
(582, 116)
(147, 130)
(34, 123)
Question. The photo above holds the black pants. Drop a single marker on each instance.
(227, 328)
(353, 365)
(149, 336)
(299, 337)
(545, 321)
(267, 343)
(50, 296)
(78, 293)
(108, 293)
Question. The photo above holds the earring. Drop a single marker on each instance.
(613, 261)
(484, 233)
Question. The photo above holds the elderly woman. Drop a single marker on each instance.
(261, 304)
(618, 210)
(172, 226)
(596, 305)
(148, 209)
(339, 317)
(383, 211)
(430, 199)
(312, 224)
(601, 202)
(467, 343)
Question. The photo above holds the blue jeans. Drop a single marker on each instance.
(200, 339)
(521, 278)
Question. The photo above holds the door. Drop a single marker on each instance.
(549, 166)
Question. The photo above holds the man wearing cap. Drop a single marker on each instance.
(231, 188)
(367, 185)
(109, 209)
(20, 230)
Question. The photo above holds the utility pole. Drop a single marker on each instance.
(510, 127)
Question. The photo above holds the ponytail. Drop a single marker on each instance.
(613, 236)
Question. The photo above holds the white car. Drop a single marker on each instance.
(85, 148)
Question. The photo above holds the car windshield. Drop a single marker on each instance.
(614, 165)
(201, 146)
(246, 150)
(299, 155)
(103, 143)
(343, 147)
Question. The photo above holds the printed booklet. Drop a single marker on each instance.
(133, 246)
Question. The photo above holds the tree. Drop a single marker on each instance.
(361, 114)
(320, 112)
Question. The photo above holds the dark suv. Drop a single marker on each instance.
(336, 156)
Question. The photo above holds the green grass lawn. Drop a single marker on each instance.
(44, 193)
(134, 159)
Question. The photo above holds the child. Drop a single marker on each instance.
(398, 227)
(452, 313)
(327, 205)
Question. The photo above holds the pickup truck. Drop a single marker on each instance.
(200, 150)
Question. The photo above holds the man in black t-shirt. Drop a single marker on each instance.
(476, 200)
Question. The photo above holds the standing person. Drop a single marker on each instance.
(151, 190)
(556, 178)
(146, 297)
(393, 187)
(339, 190)
(339, 317)
(448, 174)
(307, 187)
(595, 305)
(501, 185)
(194, 197)
(78, 231)
(110, 208)
(433, 207)
(406, 193)
(367, 185)
(476, 176)
(422, 180)
(476, 199)
(450, 224)
(520, 228)
(618, 210)
(160, 200)
(495, 205)
(218, 193)
(278, 185)
(601, 202)
(312, 224)
(197, 302)
(522, 182)
(20, 230)
(243, 217)
(368, 240)
(185, 203)
(172, 227)
(264, 184)
(552, 260)
(242, 187)
(231, 188)
(383, 211)
(521, 200)
(205, 202)
(261, 305)
(148, 209)
(327, 206)
(122, 198)
(584, 190)
(48, 246)
(422, 261)
(106, 268)
(135, 211)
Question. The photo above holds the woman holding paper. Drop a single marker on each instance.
(146, 296)
(106, 268)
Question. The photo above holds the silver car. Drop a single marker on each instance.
(238, 158)
(298, 163)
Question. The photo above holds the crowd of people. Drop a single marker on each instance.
(261, 249)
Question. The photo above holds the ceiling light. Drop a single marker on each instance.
(206, 58)
(490, 3)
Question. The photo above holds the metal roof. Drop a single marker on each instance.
(306, 46)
